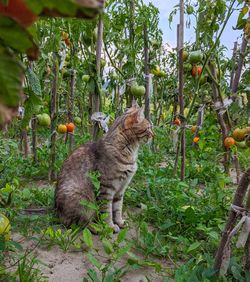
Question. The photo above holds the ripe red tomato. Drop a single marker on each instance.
(177, 121)
(228, 142)
(70, 127)
(196, 70)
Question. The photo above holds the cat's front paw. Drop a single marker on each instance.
(115, 227)
(121, 223)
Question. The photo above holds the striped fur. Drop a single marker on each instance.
(114, 156)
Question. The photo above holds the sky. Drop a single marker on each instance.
(165, 7)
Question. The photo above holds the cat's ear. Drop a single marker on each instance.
(135, 117)
(134, 104)
(141, 114)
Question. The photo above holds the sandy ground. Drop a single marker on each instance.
(71, 266)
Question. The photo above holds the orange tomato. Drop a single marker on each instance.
(228, 142)
(177, 121)
(193, 128)
(70, 127)
(196, 139)
(239, 134)
(62, 128)
(67, 41)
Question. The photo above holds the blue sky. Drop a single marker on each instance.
(165, 7)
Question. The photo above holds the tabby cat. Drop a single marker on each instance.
(114, 156)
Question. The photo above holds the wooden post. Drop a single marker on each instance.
(34, 138)
(224, 127)
(98, 73)
(146, 71)
(239, 66)
(233, 60)
(132, 44)
(71, 106)
(237, 201)
(247, 246)
(181, 86)
(53, 115)
(24, 142)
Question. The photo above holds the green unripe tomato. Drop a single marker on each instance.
(103, 63)
(155, 44)
(187, 68)
(195, 57)
(86, 78)
(138, 90)
(190, 9)
(185, 55)
(77, 120)
(44, 119)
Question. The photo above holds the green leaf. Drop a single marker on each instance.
(30, 108)
(194, 246)
(213, 235)
(93, 276)
(108, 248)
(87, 237)
(11, 73)
(34, 82)
(14, 35)
(122, 251)
(89, 204)
(241, 22)
(122, 235)
(93, 260)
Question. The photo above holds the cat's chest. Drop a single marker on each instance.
(124, 177)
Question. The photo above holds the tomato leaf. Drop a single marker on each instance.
(15, 36)
(11, 74)
(93, 260)
(122, 235)
(87, 237)
(194, 246)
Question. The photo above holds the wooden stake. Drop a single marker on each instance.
(237, 201)
(97, 93)
(34, 138)
(233, 60)
(181, 86)
(53, 115)
(146, 71)
(239, 66)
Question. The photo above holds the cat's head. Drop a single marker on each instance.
(136, 126)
